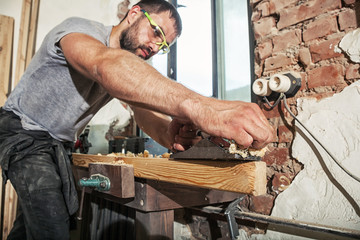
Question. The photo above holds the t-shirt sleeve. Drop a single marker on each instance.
(73, 25)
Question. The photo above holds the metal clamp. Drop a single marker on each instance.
(230, 216)
(97, 181)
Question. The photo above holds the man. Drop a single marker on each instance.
(80, 66)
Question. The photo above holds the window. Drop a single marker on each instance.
(212, 55)
(233, 55)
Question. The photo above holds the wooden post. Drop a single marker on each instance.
(32, 31)
(154, 225)
(6, 47)
(23, 40)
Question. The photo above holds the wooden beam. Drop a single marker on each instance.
(30, 50)
(23, 39)
(234, 176)
(6, 47)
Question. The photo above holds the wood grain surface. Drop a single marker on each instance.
(234, 176)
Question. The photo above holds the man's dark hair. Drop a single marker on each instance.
(159, 6)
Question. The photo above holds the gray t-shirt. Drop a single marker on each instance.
(51, 95)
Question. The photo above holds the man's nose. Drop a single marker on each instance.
(154, 47)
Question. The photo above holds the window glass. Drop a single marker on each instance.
(159, 62)
(236, 50)
(194, 49)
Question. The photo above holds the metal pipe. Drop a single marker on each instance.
(344, 232)
(265, 219)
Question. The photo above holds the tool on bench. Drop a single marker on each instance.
(212, 148)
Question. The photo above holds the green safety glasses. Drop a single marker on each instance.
(163, 46)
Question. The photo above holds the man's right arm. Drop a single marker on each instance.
(128, 78)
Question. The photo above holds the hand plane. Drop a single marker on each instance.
(210, 149)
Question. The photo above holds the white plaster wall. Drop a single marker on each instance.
(322, 193)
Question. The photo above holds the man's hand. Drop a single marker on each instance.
(184, 135)
(234, 120)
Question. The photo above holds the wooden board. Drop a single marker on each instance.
(6, 43)
(234, 176)
(23, 39)
(8, 198)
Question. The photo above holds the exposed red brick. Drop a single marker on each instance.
(264, 27)
(273, 113)
(285, 134)
(265, 49)
(278, 61)
(253, 2)
(319, 96)
(256, 15)
(277, 156)
(307, 10)
(277, 5)
(303, 82)
(281, 181)
(258, 69)
(263, 8)
(305, 56)
(326, 76)
(262, 204)
(320, 28)
(324, 50)
(287, 39)
(347, 19)
(352, 71)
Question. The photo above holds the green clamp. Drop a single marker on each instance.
(98, 181)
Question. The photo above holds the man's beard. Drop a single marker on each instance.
(128, 39)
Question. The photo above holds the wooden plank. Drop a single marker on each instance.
(234, 176)
(23, 39)
(7, 193)
(30, 50)
(122, 184)
(10, 208)
(6, 46)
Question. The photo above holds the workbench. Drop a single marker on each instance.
(155, 196)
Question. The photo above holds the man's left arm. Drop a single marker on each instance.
(170, 133)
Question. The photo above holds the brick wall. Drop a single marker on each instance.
(299, 35)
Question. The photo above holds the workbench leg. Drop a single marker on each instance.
(154, 225)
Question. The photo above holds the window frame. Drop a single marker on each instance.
(218, 66)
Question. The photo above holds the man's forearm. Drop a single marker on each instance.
(139, 84)
(154, 124)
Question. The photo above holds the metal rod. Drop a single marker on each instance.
(79, 217)
(265, 219)
(344, 232)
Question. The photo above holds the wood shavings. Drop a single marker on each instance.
(247, 151)
(145, 154)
